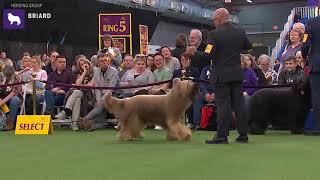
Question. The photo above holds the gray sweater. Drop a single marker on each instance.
(128, 79)
(109, 79)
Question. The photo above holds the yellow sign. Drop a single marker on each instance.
(143, 31)
(305, 37)
(34, 124)
(208, 48)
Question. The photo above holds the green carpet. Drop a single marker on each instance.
(99, 155)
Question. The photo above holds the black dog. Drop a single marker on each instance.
(284, 108)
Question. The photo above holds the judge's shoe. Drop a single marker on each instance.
(218, 140)
(242, 139)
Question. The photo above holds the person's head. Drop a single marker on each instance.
(181, 40)
(44, 57)
(53, 56)
(299, 26)
(300, 61)
(26, 62)
(295, 36)
(3, 55)
(195, 37)
(244, 61)
(26, 54)
(103, 61)
(220, 17)
(185, 60)
(107, 41)
(158, 60)
(93, 60)
(150, 62)
(84, 62)
(139, 64)
(61, 63)
(277, 61)
(290, 63)
(264, 62)
(166, 52)
(35, 62)
(8, 71)
(127, 61)
(250, 61)
(76, 60)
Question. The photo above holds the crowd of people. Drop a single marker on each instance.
(109, 68)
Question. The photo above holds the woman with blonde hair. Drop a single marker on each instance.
(138, 75)
(79, 102)
(35, 73)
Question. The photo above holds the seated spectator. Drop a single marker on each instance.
(55, 94)
(25, 65)
(104, 76)
(250, 78)
(251, 64)
(139, 75)
(3, 55)
(162, 73)
(170, 62)
(44, 60)
(291, 72)
(126, 65)
(150, 63)
(11, 96)
(40, 75)
(75, 66)
(80, 100)
(93, 60)
(51, 66)
(302, 63)
(270, 74)
(194, 111)
(108, 47)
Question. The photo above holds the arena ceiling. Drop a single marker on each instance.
(220, 3)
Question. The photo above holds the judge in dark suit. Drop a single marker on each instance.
(225, 44)
(311, 49)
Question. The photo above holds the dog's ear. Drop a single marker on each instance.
(176, 83)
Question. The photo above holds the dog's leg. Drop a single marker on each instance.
(171, 131)
(137, 128)
(124, 133)
(184, 133)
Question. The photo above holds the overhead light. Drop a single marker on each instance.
(249, 1)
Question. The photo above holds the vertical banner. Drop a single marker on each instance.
(118, 25)
(143, 31)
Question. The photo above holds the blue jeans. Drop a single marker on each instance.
(53, 100)
(194, 111)
(14, 107)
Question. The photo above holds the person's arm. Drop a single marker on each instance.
(117, 60)
(203, 86)
(79, 81)
(50, 78)
(7, 98)
(43, 77)
(306, 42)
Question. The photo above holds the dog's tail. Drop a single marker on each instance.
(112, 102)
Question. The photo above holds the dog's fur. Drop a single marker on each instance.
(165, 110)
(283, 108)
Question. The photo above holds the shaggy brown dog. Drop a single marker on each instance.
(164, 110)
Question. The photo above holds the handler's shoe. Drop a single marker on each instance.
(217, 140)
(242, 139)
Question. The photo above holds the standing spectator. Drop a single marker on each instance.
(108, 47)
(311, 48)
(181, 45)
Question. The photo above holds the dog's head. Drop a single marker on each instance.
(184, 89)
(9, 14)
(301, 86)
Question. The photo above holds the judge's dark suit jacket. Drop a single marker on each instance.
(227, 41)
